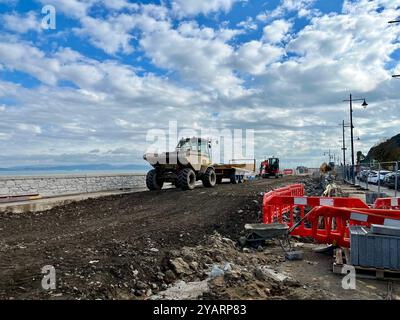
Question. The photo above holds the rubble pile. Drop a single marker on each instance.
(313, 185)
(219, 269)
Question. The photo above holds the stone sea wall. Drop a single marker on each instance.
(64, 184)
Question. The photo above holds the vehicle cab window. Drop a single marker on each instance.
(204, 147)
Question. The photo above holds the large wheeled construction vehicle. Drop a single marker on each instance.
(270, 168)
(190, 162)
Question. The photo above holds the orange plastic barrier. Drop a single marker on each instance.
(387, 203)
(291, 190)
(329, 218)
(337, 220)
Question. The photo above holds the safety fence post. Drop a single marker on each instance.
(379, 177)
(395, 179)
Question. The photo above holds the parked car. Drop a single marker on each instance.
(390, 180)
(375, 176)
(371, 176)
(362, 175)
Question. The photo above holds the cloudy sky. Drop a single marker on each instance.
(89, 90)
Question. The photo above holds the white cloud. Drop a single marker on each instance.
(31, 128)
(194, 7)
(248, 24)
(267, 84)
(72, 8)
(363, 6)
(29, 59)
(254, 56)
(276, 31)
(21, 23)
(302, 7)
(199, 55)
(120, 4)
(114, 33)
(111, 35)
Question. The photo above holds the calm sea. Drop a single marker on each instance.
(47, 172)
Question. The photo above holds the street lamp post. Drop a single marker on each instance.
(364, 104)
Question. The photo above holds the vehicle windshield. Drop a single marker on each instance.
(193, 144)
(273, 161)
(187, 144)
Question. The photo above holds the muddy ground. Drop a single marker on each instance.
(148, 244)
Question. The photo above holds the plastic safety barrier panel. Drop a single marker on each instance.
(387, 203)
(325, 219)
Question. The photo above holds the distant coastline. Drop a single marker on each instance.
(71, 169)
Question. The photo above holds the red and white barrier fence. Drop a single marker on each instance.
(327, 219)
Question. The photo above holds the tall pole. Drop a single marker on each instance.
(352, 140)
(344, 154)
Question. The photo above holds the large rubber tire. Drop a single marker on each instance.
(209, 178)
(187, 179)
(153, 182)
(234, 178)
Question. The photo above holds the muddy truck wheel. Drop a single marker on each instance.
(187, 179)
(209, 178)
(234, 178)
(153, 182)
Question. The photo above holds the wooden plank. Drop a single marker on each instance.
(369, 273)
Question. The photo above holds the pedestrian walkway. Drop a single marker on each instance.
(375, 188)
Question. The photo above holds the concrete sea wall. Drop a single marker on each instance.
(64, 184)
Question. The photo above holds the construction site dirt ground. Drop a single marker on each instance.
(165, 244)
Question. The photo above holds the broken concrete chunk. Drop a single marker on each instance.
(182, 290)
(275, 275)
(259, 274)
(294, 255)
(180, 266)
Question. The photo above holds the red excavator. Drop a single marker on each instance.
(270, 168)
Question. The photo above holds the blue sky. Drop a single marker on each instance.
(90, 90)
